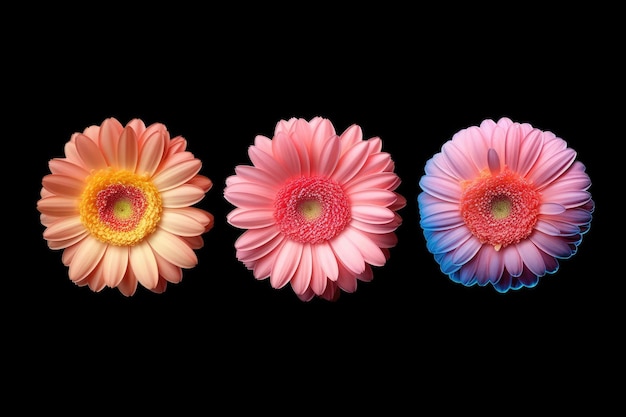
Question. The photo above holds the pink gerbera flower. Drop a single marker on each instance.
(502, 203)
(319, 208)
(119, 205)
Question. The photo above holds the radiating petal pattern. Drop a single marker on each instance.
(119, 205)
(501, 203)
(319, 210)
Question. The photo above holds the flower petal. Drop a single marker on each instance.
(180, 224)
(90, 153)
(144, 265)
(63, 185)
(176, 175)
(173, 249)
(182, 196)
(88, 254)
(114, 264)
(287, 259)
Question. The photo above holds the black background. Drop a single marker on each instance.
(220, 77)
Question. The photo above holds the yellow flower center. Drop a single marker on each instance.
(500, 208)
(120, 207)
(310, 209)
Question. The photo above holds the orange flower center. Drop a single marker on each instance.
(120, 207)
(500, 209)
(311, 209)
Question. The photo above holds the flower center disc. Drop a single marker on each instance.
(120, 207)
(500, 210)
(311, 209)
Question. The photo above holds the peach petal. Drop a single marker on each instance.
(173, 249)
(144, 264)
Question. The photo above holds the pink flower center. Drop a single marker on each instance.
(120, 206)
(500, 209)
(311, 209)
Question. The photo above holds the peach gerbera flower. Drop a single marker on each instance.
(119, 205)
(502, 203)
(319, 208)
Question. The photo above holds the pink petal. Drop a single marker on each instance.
(491, 265)
(351, 136)
(255, 175)
(319, 280)
(347, 280)
(302, 276)
(552, 245)
(512, 260)
(370, 252)
(249, 199)
(512, 146)
(255, 238)
(328, 157)
(251, 219)
(324, 255)
(551, 208)
(372, 214)
(568, 198)
(459, 162)
(286, 154)
(287, 260)
(531, 257)
(441, 218)
(262, 250)
(378, 162)
(530, 150)
(465, 252)
(348, 253)
(440, 187)
(549, 168)
(259, 189)
(373, 228)
(381, 180)
(267, 163)
(350, 163)
(447, 240)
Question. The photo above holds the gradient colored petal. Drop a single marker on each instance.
(173, 249)
(317, 209)
(502, 203)
(119, 207)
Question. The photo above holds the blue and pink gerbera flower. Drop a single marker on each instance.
(502, 203)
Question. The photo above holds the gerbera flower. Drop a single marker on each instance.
(319, 208)
(119, 205)
(502, 203)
